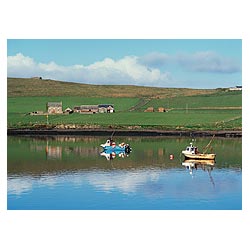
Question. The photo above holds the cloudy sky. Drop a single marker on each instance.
(193, 63)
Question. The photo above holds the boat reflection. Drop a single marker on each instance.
(53, 152)
(110, 155)
(205, 165)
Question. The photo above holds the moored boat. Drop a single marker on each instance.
(192, 152)
(111, 146)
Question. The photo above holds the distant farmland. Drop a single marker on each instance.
(188, 109)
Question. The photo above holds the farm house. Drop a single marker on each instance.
(54, 107)
(236, 88)
(161, 109)
(106, 108)
(92, 109)
(149, 109)
(68, 110)
(83, 109)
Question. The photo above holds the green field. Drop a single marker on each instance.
(187, 109)
(219, 99)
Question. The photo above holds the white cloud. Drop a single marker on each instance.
(208, 61)
(21, 65)
(154, 59)
(203, 61)
(20, 60)
(148, 70)
(50, 67)
(126, 70)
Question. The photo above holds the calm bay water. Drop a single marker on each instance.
(71, 173)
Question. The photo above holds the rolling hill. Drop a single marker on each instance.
(46, 87)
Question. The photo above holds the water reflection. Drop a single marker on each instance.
(56, 151)
(153, 176)
(53, 152)
(206, 165)
(123, 181)
(112, 155)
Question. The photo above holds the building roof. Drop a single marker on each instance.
(54, 104)
(89, 106)
(105, 105)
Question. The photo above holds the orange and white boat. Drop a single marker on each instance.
(192, 152)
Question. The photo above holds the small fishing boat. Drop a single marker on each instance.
(192, 152)
(111, 146)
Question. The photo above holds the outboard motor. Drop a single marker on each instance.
(127, 149)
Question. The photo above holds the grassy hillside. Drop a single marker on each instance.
(36, 87)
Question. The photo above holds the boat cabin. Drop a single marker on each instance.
(191, 149)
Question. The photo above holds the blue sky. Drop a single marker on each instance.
(192, 63)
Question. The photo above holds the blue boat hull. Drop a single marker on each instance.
(117, 149)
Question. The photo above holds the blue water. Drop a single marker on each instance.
(145, 179)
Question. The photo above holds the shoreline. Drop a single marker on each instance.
(122, 132)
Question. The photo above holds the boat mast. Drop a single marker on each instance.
(112, 135)
(206, 148)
